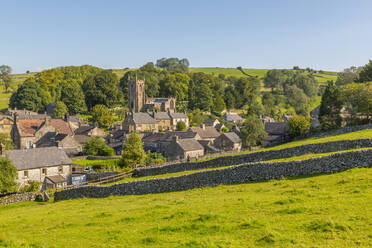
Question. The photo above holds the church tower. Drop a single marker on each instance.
(136, 95)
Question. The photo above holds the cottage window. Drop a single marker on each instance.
(25, 173)
(44, 171)
(28, 145)
(60, 169)
(1, 127)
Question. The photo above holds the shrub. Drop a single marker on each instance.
(96, 146)
(299, 126)
(154, 158)
(8, 175)
(33, 186)
(181, 126)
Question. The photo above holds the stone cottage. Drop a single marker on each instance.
(39, 163)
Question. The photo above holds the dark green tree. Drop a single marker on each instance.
(101, 89)
(253, 132)
(73, 96)
(29, 96)
(330, 107)
(60, 110)
(365, 74)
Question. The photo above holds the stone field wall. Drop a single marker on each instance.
(255, 157)
(244, 173)
(18, 197)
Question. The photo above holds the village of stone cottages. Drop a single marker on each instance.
(85, 132)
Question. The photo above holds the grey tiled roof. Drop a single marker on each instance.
(84, 129)
(57, 179)
(233, 137)
(143, 118)
(190, 145)
(207, 132)
(6, 116)
(178, 115)
(276, 128)
(161, 116)
(38, 158)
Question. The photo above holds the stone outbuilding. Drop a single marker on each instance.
(228, 142)
(180, 149)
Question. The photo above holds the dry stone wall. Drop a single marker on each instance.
(17, 197)
(255, 157)
(237, 174)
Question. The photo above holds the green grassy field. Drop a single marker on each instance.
(321, 211)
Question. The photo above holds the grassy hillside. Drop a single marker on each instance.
(296, 212)
(321, 77)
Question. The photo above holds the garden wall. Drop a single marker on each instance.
(255, 157)
(237, 174)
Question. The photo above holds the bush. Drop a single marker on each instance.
(181, 126)
(33, 186)
(154, 158)
(8, 175)
(96, 146)
(106, 151)
(299, 125)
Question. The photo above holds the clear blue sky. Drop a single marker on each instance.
(321, 34)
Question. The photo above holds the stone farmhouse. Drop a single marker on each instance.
(49, 165)
(29, 129)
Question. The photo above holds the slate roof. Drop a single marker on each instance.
(6, 116)
(178, 115)
(210, 121)
(233, 117)
(84, 129)
(38, 158)
(31, 117)
(81, 138)
(75, 118)
(233, 137)
(57, 179)
(207, 132)
(143, 118)
(276, 128)
(156, 137)
(28, 128)
(190, 145)
(50, 139)
(161, 116)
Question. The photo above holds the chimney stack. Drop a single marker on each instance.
(48, 120)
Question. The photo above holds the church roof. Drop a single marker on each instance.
(143, 118)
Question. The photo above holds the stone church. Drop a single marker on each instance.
(150, 114)
(139, 103)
